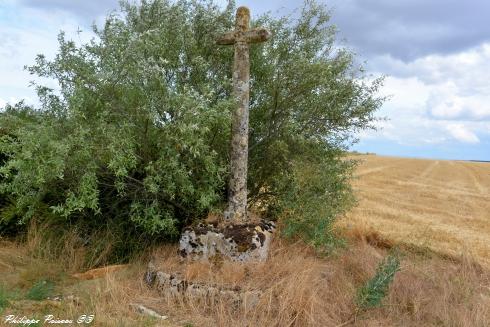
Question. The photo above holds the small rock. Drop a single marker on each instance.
(64, 298)
(146, 311)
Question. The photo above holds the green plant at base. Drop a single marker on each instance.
(40, 290)
(4, 301)
(373, 292)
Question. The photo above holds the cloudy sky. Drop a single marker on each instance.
(435, 55)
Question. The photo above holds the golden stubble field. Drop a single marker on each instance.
(438, 204)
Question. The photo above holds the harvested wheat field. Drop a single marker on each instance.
(436, 204)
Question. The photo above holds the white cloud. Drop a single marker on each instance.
(446, 103)
(462, 134)
(403, 90)
(437, 99)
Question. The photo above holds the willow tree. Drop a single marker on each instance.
(138, 132)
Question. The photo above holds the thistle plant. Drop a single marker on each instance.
(374, 291)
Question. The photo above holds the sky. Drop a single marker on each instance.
(434, 54)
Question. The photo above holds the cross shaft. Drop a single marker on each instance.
(241, 37)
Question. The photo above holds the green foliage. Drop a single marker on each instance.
(131, 135)
(8, 217)
(373, 292)
(138, 134)
(3, 160)
(4, 301)
(319, 193)
(8, 296)
(40, 290)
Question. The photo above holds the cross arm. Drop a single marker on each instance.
(257, 35)
(228, 38)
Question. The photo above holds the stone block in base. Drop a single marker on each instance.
(242, 243)
(169, 285)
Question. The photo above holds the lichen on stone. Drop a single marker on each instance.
(241, 242)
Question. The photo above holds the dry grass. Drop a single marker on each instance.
(441, 282)
(300, 289)
(441, 205)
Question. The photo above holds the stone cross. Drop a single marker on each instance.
(241, 37)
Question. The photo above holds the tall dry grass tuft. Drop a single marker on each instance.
(51, 244)
(439, 292)
(72, 248)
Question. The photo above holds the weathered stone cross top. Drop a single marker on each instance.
(241, 37)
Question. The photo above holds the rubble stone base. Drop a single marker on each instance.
(246, 242)
(169, 285)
